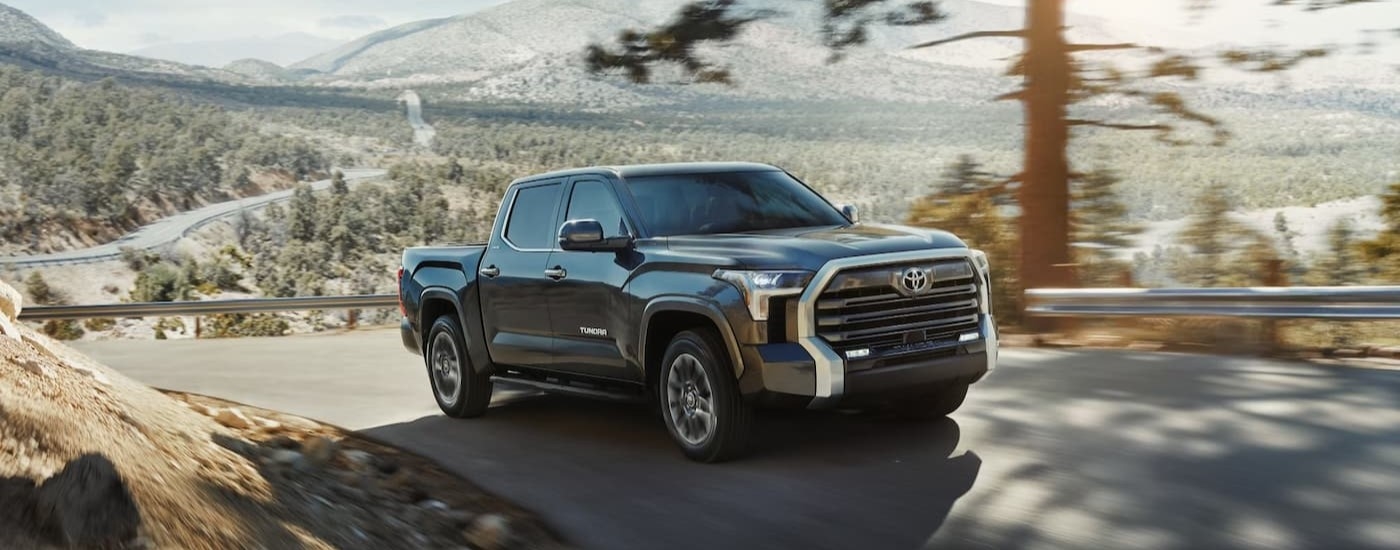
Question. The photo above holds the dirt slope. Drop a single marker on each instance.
(89, 458)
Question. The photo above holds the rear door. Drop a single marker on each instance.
(512, 276)
(587, 304)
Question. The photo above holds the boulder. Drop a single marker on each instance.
(233, 418)
(319, 450)
(87, 505)
(11, 302)
(489, 532)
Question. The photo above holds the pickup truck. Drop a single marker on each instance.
(709, 289)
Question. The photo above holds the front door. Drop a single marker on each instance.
(513, 281)
(588, 308)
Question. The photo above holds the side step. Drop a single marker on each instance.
(576, 389)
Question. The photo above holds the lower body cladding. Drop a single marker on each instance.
(789, 375)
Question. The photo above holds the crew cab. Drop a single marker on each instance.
(709, 289)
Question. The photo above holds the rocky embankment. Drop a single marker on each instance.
(92, 459)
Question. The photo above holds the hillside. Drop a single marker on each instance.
(82, 163)
(17, 27)
(280, 49)
(530, 50)
(26, 42)
(92, 459)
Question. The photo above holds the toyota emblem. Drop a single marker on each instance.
(914, 280)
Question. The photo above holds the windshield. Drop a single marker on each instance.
(733, 202)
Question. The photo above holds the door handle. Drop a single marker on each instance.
(556, 273)
(490, 271)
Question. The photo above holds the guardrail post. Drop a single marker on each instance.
(352, 319)
(198, 327)
(1273, 276)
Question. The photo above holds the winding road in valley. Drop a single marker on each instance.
(1056, 449)
(172, 228)
(423, 133)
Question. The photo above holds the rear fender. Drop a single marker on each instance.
(472, 333)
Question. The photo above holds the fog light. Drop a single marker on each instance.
(968, 337)
(858, 353)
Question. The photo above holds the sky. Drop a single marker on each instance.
(126, 25)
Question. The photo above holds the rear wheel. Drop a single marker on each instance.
(700, 399)
(460, 392)
(937, 404)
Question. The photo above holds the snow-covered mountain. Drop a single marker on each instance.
(281, 49)
(25, 41)
(19, 28)
(531, 50)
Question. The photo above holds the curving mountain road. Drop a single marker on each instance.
(1057, 449)
(423, 133)
(171, 228)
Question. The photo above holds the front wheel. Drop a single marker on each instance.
(700, 399)
(459, 391)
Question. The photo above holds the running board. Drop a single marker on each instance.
(565, 388)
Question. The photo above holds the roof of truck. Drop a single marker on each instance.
(638, 170)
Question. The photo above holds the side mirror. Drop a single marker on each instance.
(587, 235)
(851, 212)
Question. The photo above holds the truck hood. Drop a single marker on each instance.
(810, 248)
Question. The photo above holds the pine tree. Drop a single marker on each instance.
(1210, 234)
(1100, 227)
(1056, 73)
(1384, 249)
(338, 186)
(971, 208)
(303, 215)
(964, 175)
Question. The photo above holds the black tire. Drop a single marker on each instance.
(933, 405)
(471, 393)
(730, 420)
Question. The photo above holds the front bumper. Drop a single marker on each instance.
(790, 374)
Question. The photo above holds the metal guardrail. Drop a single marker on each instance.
(210, 307)
(1354, 303)
(1338, 303)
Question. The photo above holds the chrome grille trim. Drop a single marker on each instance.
(830, 366)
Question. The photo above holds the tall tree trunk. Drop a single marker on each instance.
(1044, 195)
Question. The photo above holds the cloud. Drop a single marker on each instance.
(357, 22)
(90, 18)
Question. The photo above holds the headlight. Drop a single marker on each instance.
(758, 286)
(979, 259)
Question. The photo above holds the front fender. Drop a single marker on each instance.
(691, 304)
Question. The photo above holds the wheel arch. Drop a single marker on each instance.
(666, 317)
(436, 302)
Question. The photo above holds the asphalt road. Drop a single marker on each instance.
(1082, 449)
(423, 133)
(171, 228)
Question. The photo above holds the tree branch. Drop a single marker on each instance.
(1117, 125)
(1019, 33)
(1102, 47)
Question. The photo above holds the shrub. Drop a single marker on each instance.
(63, 330)
(38, 289)
(235, 325)
(99, 324)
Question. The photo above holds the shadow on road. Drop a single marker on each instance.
(1161, 450)
(608, 476)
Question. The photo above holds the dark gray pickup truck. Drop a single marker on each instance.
(711, 289)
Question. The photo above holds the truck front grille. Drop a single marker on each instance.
(872, 307)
